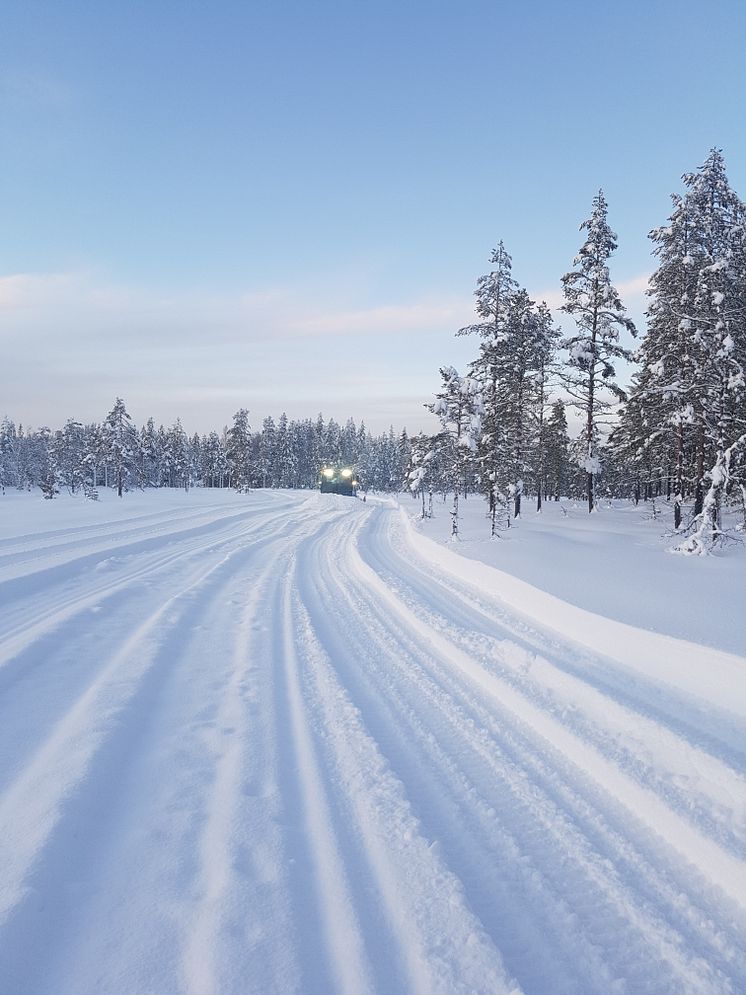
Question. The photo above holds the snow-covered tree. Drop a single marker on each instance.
(239, 450)
(557, 448)
(459, 407)
(493, 295)
(121, 444)
(67, 452)
(545, 372)
(686, 405)
(717, 319)
(594, 303)
(420, 471)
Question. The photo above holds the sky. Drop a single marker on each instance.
(286, 205)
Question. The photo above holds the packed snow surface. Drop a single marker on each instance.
(290, 743)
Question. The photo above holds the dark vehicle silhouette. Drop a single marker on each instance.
(338, 480)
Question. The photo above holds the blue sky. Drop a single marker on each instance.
(287, 205)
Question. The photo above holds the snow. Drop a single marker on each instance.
(611, 564)
(285, 742)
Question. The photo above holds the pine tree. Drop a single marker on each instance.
(521, 365)
(239, 450)
(268, 453)
(178, 455)
(121, 444)
(94, 458)
(665, 392)
(493, 295)
(685, 410)
(10, 475)
(150, 454)
(67, 452)
(459, 407)
(592, 300)
(403, 457)
(718, 317)
(286, 463)
(546, 339)
(46, 470)
(420, 472)
(557, 464)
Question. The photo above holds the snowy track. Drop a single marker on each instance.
(281, 746)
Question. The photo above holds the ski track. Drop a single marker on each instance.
(270, 748)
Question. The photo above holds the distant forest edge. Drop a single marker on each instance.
(679, 432)
(284, 453)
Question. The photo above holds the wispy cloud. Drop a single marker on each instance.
(210, 352)
(632, 293)
(423, 316)
(82, 306)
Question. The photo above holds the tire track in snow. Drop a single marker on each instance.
(25, 627)
(84, 741)
(233, 824)
(431, 942)
(649, 749)
(22, 550)
(87, 566)
(401, 636)
(448, 806)
(61, 654)
(63, 757)
(704, 909)
(305, 772)
(346, 961)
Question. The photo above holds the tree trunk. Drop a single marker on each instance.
(699, 491)
(679, 477)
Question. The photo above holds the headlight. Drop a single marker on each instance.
(346, 472)
(328, 473)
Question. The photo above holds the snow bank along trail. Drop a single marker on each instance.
(290, 745)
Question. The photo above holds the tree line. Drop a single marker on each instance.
(117, 454)
(678, 432)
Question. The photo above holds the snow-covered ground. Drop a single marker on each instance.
(615, 563)
(289, 743)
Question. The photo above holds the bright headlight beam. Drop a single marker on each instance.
(347, 472)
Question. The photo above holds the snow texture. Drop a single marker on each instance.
(287, 743)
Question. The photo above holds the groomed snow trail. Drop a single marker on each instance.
(289, 745)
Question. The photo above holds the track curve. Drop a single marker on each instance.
(274, 748)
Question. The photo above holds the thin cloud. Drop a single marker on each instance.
(632, 293)
(208, 352)
(42, 305)
(391, 319)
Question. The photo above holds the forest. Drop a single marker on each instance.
(676, 432)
